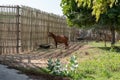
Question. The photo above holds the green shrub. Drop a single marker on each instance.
(57, 68)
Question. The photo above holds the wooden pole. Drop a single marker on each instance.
(17, 24)
(47, 39)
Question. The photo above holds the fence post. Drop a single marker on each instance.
(17, 24)
(47, 38)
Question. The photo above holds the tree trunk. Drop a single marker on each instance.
(113, 35)
(104, 37)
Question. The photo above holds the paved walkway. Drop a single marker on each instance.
(11, 74)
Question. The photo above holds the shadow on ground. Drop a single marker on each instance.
(40, 57)
(113, 49)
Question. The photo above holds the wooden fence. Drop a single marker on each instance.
(23, 28)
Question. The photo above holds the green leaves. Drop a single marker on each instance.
(73, 63)
(84, 3)
(98, 6)
(78, 16)
(57, 68)
(50, 65)
(87, 13)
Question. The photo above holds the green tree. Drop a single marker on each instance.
(98, 6)
(78, 16)
(86, 13)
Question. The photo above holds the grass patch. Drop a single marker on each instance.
(101, 64)
(104, 66)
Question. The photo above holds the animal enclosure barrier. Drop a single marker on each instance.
(23, 28)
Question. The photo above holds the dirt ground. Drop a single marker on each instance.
(39, 57)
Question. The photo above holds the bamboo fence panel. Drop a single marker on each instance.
(8, 29)
(24, 28)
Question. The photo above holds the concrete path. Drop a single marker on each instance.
(11, 74)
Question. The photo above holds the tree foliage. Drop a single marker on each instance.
(75, 15)
(98, 6)
(84, 13)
